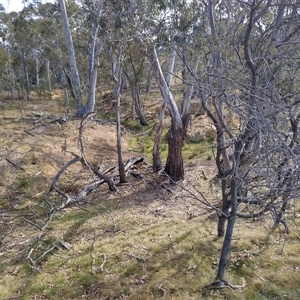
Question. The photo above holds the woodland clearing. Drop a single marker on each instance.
(148, 240)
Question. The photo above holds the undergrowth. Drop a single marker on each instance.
(128, 245)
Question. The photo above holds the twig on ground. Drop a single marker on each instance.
(164, 291)
(45, 253)
(28, 221)
(14, 165)
(104, 261)
(101, 267)
(220, 284)
(136, 257)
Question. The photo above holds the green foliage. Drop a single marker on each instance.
(24, 182)
(5, 59)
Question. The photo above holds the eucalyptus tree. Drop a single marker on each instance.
(75, 79)
(6, 75)
(28, 36)
(94, 9)
(162, 34)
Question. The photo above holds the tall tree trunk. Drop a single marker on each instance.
(25, 79)
(75, 80)
(149, 80)
(93, 74)
(49, 77)
(94, 52)
(37, 73)
(232, 215)
(137, 104)
(174, 165)
(186, 102)
(12, 81)
(171, 66)
(222, 158)
(122, 174)
(156, 153)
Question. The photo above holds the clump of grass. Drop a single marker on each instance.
(24, 182)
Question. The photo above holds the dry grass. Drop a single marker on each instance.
(140, 243)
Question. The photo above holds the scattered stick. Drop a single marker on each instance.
(28, 221)
(101, 268)
(65, 244)
(104, 261)
(166, 188)
(32, 262)
(29, 133)
(46, 252)
(14, 165)
(136, 257)
(74, 200)
(220, 284)
(160, 288)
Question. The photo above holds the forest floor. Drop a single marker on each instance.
(148, 240)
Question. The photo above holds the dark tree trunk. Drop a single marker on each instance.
(174, 165)
(137, 104)
(232, 216)
(225, 209)
(156, 154)
(122, 174)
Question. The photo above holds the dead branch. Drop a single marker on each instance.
(160, 288)
(136, 257)
(45, 253)
(29, 133)
(220, 284)
(65, 244)
(61, 171)
(32, 262)
(102, 176)
(14, 165)
(104, 261)
(28, 221)
(74, 200)
(205, 202)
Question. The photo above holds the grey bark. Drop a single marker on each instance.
(13, 84)
(37, 71)
(171, 66)
(75, 80)
(174, 165)
(135, 92)
(122, 174)
(186, 101)
(94, 52)
(49, 77)
(156, 153)
(149, 79)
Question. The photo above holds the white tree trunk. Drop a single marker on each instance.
(171, 66)
(156, 153)
(75, 80)
(37, 71)
(49, 77)
(94, 52)
(12, 80)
